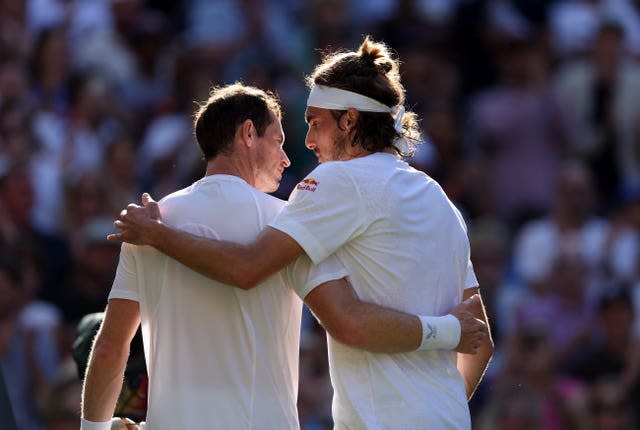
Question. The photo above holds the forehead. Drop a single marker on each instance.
(315, 112)
(276, 125)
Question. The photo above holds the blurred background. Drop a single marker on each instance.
(530, 111)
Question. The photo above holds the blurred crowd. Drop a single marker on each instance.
(530, 114)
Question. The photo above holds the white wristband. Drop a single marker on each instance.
(93, 425)
(439, 332)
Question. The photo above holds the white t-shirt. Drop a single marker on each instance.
(405, 246)
(218, 357)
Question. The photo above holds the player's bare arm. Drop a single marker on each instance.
(244, 266)
(376, 328)
(473, 367)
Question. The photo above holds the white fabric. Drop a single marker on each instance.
(405, 247)
(439, 332)
(95, 425)
(218, 357)
(324, 97)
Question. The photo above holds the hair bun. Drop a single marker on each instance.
(377, 54)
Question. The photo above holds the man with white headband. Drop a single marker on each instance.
(401, 239)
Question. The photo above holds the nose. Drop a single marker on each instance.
(285, 159)
(308, 143)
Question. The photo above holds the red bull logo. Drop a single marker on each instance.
(308, 184)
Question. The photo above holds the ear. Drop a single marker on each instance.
(247, 132)
(349, 119)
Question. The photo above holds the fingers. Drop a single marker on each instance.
(146, 199)
(154, 209)
(474, 303)
(474, 298)
(474, 332)
(151, 205)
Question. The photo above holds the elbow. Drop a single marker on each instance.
(246, 279)
(347, 332)
(109, 351)
(248, 275)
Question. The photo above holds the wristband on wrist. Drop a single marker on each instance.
(93, 425)
(439, 332)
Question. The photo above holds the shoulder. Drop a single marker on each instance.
(268, 204)
(330, 174)
(331, 169)
(175, 197)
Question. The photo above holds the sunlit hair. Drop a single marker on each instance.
(217, 120)
(373, 72)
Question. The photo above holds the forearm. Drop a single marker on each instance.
(219, 260)
(103, 382)
(378, 329)
(236, 264)
(108, 359)
(473, 367)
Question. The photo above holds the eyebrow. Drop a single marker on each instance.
(308, 117)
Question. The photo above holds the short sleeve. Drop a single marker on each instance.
(470, 280)
(304, 276)
(324, 212)
(125, 283)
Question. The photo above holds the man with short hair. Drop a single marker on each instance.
(220, 357)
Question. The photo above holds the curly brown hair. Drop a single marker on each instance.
(373, 72)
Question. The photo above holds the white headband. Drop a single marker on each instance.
(334, 98)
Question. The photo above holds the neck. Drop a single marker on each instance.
(358, 151)
(225, 165)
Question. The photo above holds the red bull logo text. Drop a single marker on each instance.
(308, 184)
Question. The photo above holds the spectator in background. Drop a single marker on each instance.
(15, 38)
(615, 348)
(19, 235)
(511, 408)
(491, 243)
(16, 140)
(518, 133)
(93, 265)
(602, 91)
(314, 395)
(150, 85)
(555, 401)
(120, 173)
(50, 70)
(50, 74)
(60, 402)
(167, 157)
(571, 229)
(84, 200)
(622, 244)
(609, 408)
(574, 24)
(572, 329)
(14, 86)
(29, 354)
(91, 124)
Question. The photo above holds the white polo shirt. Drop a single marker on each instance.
(218, 357)
(405, 246)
